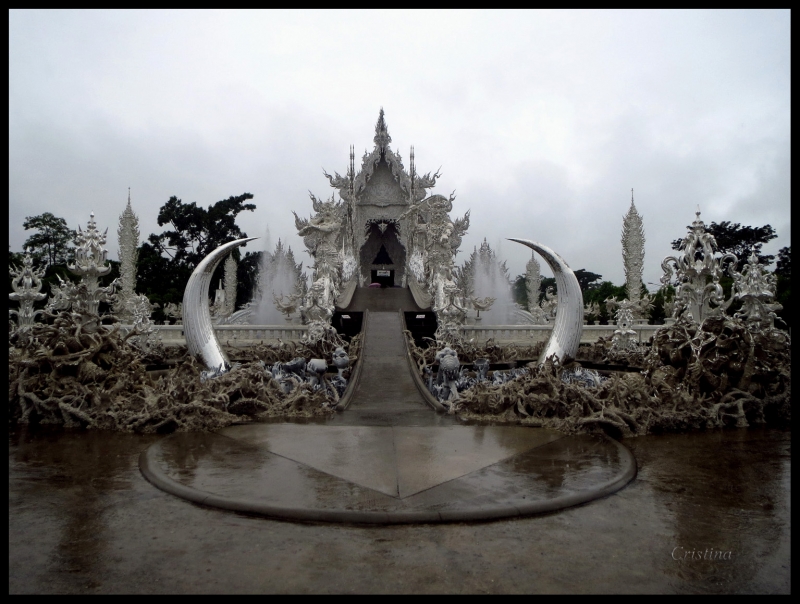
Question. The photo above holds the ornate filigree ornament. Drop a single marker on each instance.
(90, 259)
(756, 290)
(26, 283)
(698, 294)
(128, 237)
(633, 255)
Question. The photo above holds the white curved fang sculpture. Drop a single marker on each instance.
(200, 338)
(566, 336)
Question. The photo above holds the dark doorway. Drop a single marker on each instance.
(381, 276)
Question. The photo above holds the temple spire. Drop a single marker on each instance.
(382, 138)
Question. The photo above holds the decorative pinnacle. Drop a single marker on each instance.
(631, 196)
(382, 138)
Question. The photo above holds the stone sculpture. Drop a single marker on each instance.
(624, 338)
(90, 264)
(699, 294)
(568, 326)
(26, 282)
(200, 337)
(756, 290)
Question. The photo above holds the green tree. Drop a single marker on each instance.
(166, 261)
(739, 240)
(587, 279)
(50, 244)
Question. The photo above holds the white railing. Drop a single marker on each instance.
(531, 334)
(172, 335)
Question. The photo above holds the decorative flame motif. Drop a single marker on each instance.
(699, 294)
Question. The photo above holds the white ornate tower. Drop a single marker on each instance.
(533, 283)
(230, 285)
(128, 234)
(633, 254)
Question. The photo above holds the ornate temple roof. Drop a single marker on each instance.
(354, 184)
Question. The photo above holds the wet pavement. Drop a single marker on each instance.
(707, 512)
(82, 519)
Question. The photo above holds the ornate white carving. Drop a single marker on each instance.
(756, 289)
(90, 265)
(566, 335)
(625, 338)
(128, 237)
(698, 294)
(533, 284)
(633, 255)
(230, 285)
(26, 283)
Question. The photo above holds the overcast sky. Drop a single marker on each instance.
(542, 122)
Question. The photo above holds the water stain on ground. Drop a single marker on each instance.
(83, 520)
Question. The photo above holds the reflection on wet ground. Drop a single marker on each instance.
(82, 519)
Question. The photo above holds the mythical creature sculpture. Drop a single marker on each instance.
(549, 304)
(697, 271)
(450, 314)
(480, 304)
(287, 306)
(756, 289)
(174, 312)
(322, 236)
(26, 283)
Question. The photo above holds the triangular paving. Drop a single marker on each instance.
(396, 461)
(429, 456)
(363, 455)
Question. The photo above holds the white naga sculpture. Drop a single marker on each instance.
(756, 290)
(699, 294)
(26, 283)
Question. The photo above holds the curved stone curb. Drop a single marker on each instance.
(347, 397)
(412, 367)
(150, 470)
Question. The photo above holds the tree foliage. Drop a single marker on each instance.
(196, 232)
(51, 243)
(739, 240)
(166, 261)
(587, 279)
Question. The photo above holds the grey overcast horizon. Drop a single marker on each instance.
(541, 121)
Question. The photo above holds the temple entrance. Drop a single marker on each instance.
(384, 277)
(383, 257)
